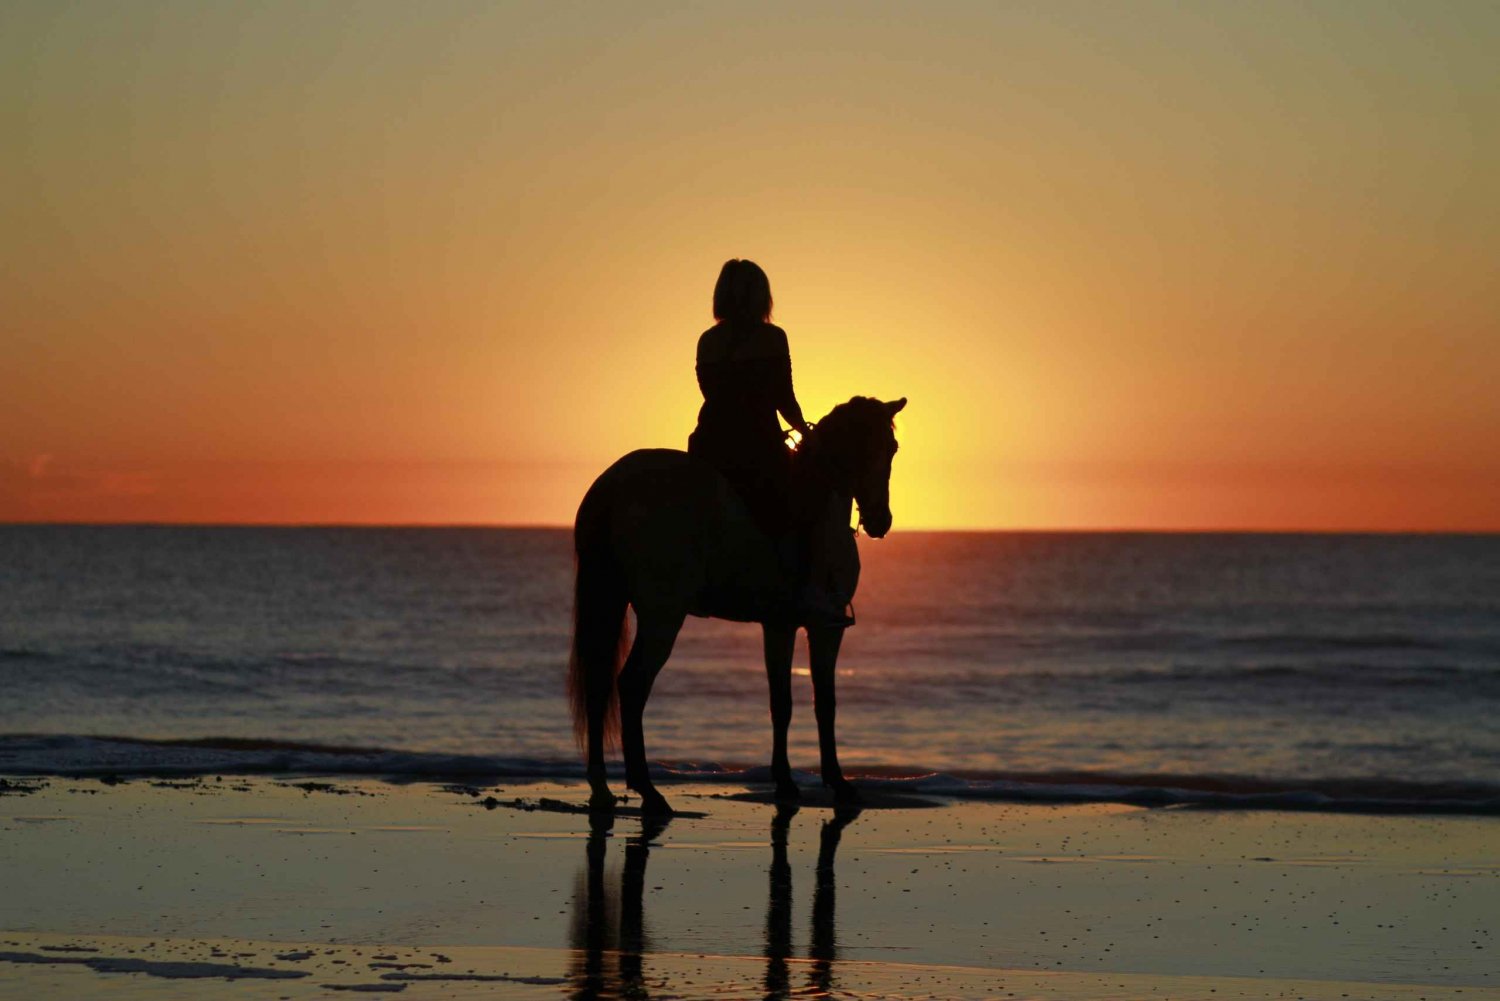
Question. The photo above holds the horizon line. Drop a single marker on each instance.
(923, 530)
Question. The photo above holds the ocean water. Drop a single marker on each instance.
(1319, 670)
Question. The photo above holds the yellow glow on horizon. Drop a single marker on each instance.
(1140, 266)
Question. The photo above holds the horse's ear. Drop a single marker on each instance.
(895, 406)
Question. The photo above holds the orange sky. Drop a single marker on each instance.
(1135, 265)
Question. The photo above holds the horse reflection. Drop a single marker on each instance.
(595, 933)
(609, 934)
(823, 946)
(779, 905)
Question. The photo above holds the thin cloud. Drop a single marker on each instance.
(31, 486)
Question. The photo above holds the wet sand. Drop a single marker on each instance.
(308, 887)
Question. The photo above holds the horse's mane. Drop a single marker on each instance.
(837, 436)
(847, 419)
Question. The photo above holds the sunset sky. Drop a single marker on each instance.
(1135, 265)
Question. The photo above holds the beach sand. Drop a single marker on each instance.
(310, 887)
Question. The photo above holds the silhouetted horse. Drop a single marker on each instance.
(658, 532)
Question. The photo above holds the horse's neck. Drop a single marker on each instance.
(820, 499)
(839, 509)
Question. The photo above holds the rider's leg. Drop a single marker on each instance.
(817, 603)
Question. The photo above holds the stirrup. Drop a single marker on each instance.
(817, 610)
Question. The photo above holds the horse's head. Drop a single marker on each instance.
(852, 449)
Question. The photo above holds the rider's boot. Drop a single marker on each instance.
(816, 605)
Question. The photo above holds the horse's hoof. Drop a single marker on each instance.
(602, 799)
(787, 792)
(654, 804)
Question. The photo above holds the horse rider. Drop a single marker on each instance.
(745, 374)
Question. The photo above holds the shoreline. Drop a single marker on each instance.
(1042, 900)
(41, 757)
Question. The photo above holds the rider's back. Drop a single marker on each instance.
(745, 372)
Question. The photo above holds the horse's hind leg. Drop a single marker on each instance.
(780, 645)
(654, 636)
(600, 798)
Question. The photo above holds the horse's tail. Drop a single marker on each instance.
(601, 633)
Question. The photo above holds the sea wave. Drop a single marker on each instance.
(126, 757)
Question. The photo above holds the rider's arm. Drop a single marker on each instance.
(786, 397)
(709, 367)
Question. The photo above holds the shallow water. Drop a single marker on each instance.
(1297, 661)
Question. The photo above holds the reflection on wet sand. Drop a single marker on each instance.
(779, 906)
(596, 935)
(608, 950)
(823, 947)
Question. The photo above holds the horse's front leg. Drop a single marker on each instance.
(654, 637)
(780, 645)
(823, 656)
